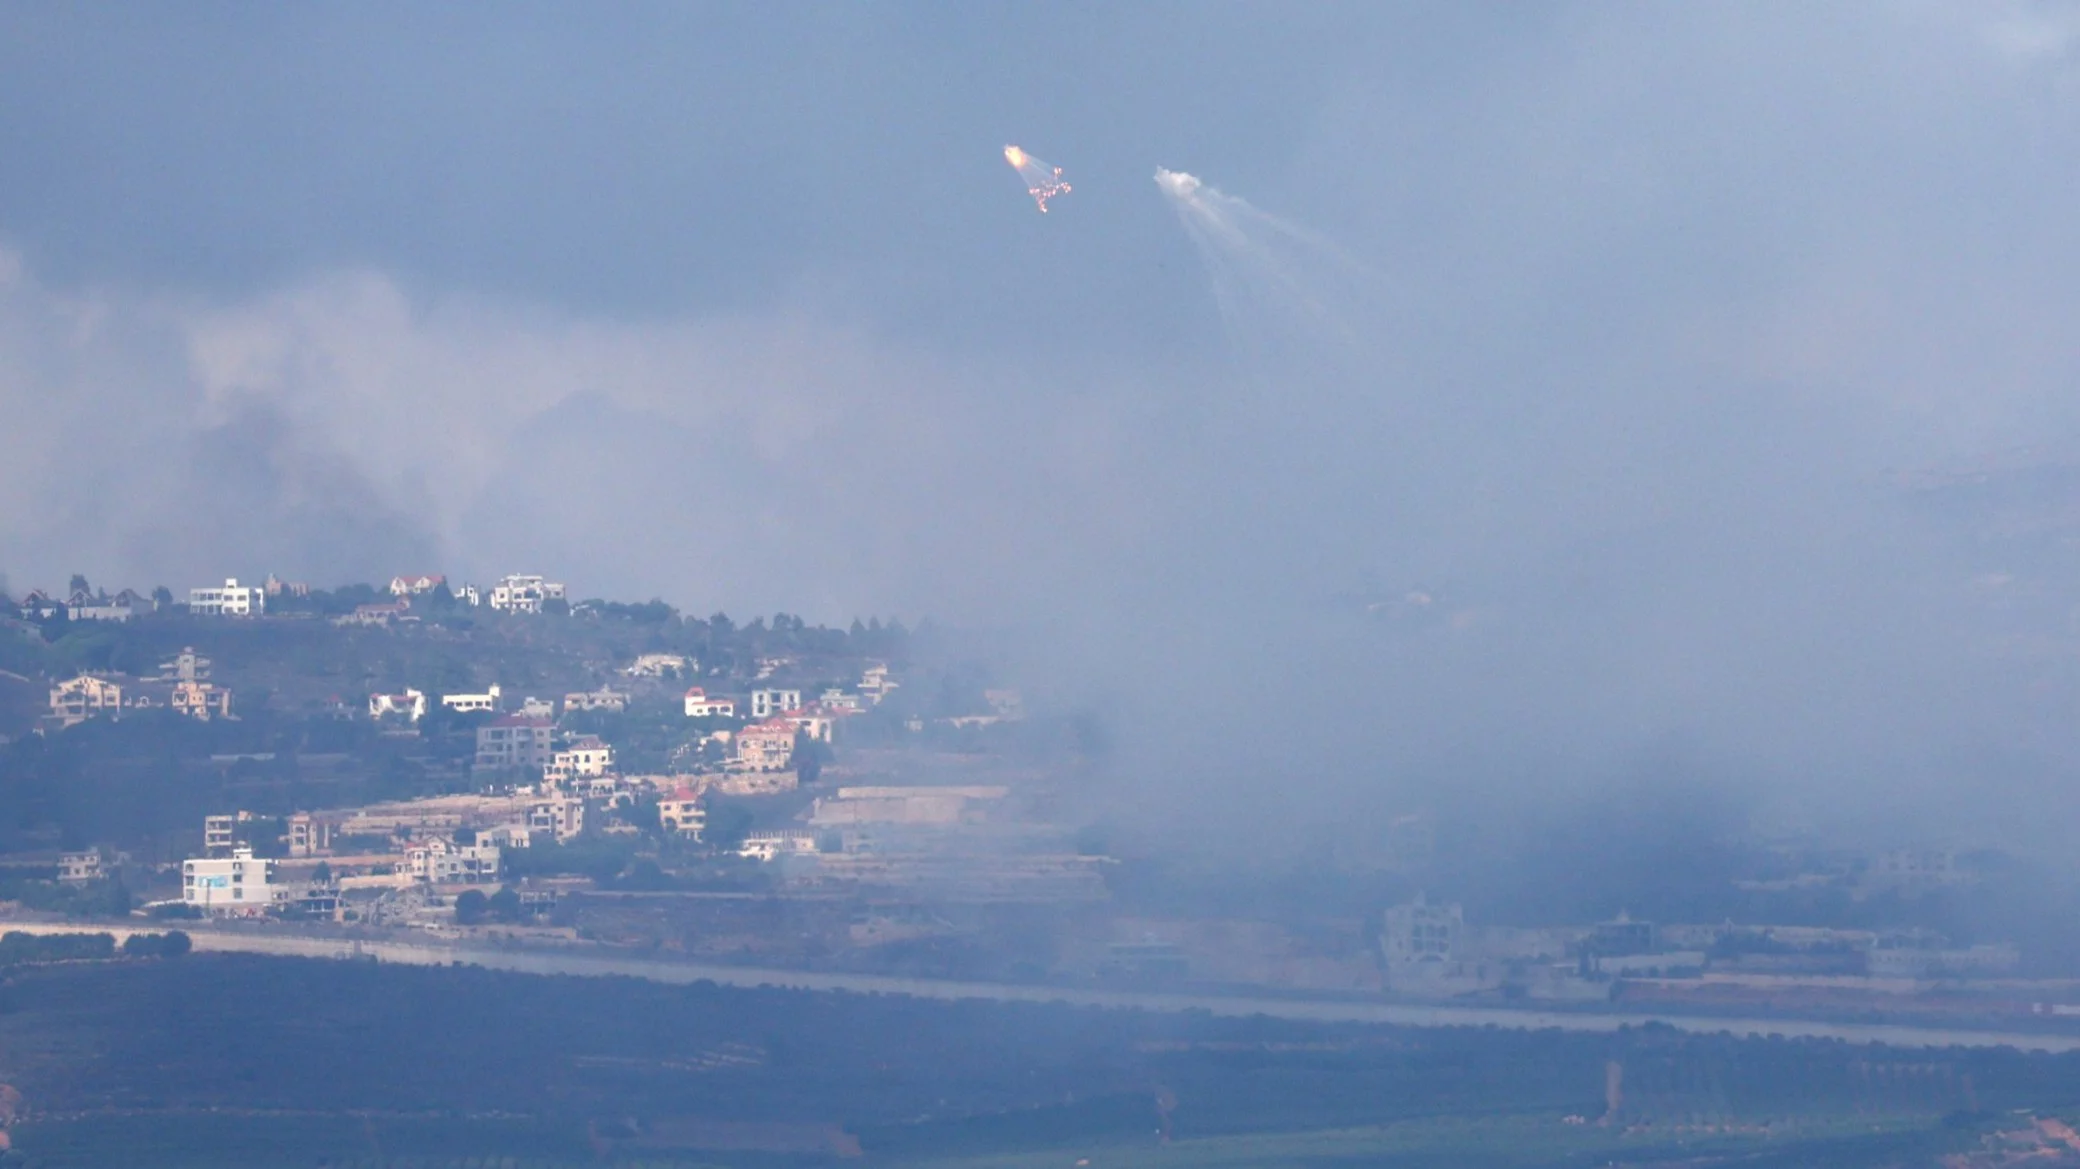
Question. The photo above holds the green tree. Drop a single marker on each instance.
(504, 904)
(471, 908)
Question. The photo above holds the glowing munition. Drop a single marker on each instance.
(1043, 182)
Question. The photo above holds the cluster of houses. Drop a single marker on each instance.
(512, 594)
(182, 685)
(451, 841)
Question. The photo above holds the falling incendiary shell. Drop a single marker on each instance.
(1043, 180)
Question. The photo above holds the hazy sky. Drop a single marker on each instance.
(740, 306)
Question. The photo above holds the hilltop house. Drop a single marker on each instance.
(232, 600)
(524, 594)
(699, 705)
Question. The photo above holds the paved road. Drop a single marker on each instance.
(593, 962)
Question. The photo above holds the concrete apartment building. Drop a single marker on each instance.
(513, 741)
(767, 703)
(239, 884)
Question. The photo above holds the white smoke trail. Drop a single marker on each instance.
(1290, 300)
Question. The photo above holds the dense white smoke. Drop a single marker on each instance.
(1288, 298)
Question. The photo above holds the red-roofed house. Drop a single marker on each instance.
(681, 812)
(766, 746)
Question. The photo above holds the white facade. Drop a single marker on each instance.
(767, 703)
(441, 861)
(764, 846)
(524, 594)
(467, 703)
(658, 665)
(239, 883)
(411, 704)
(604, 698)
(700, 705)
(78, 868)
(232, 600)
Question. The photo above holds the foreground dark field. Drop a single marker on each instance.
(238, 1061)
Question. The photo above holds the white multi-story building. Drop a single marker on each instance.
(411, 586)
(524, 594)
(240, 883)
(79, 868)
(468, 703)
(441, 861)
(587, 756)
(767, 703)
(700, 705)
(232, 600)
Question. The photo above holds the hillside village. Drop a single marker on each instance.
(500, 761)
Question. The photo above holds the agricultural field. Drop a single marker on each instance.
(241, 1061)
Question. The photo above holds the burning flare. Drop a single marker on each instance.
(1043, 181)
